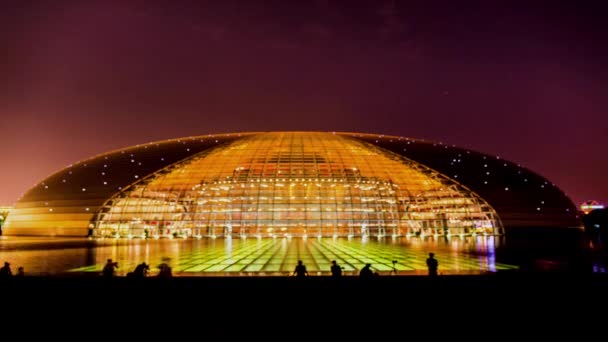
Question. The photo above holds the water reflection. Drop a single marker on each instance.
(486, 249)
(200, 257)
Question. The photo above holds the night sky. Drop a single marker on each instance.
(526, 82)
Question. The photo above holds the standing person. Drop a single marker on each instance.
(20, 272)
(336, 270)
(5, 271)
(165, 269)
(300, 270)
(108, 269)
(432, 264)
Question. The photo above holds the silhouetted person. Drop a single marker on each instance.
(300, 270)
(5, 271)
(141, 270)
(165, 269)
(366, 272)
(432, 264)
(336, 270)
(20, 272)
(108, 269)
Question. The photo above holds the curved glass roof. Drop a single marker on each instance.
(521, 197)
(387, 171)
(296, 184)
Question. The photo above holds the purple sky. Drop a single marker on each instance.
(528, 83)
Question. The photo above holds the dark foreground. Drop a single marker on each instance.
(234, 305)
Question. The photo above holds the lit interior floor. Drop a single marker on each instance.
(270, 257)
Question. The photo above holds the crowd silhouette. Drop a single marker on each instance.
(6, 272)
(140, 271)
(165, 270)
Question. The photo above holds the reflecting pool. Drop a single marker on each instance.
(252, 256)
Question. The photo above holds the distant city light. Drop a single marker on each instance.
(588, 206)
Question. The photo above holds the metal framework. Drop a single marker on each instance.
(295, 184)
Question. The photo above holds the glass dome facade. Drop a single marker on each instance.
(273, 184)
(296, 184)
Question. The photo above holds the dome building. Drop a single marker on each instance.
(295, 184)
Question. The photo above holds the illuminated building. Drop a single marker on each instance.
(588, 206)
(299, 184)
(4, 211)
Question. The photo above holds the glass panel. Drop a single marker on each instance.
(296, 184)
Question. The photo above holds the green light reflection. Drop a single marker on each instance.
(279, 256)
